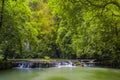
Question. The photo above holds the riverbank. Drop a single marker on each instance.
(37, 63)
(43, 63)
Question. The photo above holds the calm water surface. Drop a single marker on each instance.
(61, 74)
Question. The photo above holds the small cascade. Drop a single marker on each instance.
(65, 64)
(24, 65)
(27, 65)
(88, 63)
(84, 64)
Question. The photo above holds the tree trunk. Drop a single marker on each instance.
(2, 11)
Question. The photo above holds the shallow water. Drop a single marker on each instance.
(61, 74)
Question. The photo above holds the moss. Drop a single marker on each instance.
(77, 63)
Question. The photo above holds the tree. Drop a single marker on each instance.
(94, 26)
(16, 28)
(2, 10)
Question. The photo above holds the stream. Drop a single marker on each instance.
(62, 73)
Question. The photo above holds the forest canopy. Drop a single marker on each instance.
(60, 29)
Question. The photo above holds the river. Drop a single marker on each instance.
(74, 73)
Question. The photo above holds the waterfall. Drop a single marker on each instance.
(24, 65)
(65, 64)
(27, 65)
(88, 63)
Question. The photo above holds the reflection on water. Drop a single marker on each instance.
(61, 74)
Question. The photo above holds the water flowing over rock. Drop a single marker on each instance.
(88, 62)
(42, 64)
(65, 64)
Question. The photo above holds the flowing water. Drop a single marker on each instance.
(64, 73)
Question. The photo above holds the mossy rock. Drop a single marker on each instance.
(77, 63)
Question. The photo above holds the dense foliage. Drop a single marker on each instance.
(60, 29)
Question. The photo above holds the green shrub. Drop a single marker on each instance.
(46, 57)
